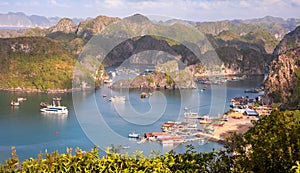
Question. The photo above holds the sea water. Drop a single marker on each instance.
(94, 121)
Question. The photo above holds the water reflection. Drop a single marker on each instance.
(58, 119)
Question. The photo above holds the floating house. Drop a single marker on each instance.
(250, 112)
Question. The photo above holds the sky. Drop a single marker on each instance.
(194, 10)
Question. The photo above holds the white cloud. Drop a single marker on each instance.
(197, 10)
(4, 3)
(244, 4)
(53, 2)
(113, 3)
(35, 3)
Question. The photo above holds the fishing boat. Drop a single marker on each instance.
(13, 103)
(143, 95)
(55, 110)
(133, 135)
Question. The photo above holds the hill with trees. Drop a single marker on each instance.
(35, 63)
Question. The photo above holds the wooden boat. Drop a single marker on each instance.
(143, 95)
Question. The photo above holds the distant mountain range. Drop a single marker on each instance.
(21, 20)
(246, 47)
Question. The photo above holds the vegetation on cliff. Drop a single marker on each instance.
(35, 63)
(272, 145)
(282, 85)
(166, 76)
(290, 41)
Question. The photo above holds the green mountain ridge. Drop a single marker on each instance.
(233, 41)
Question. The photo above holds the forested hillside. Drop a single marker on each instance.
(35, 63)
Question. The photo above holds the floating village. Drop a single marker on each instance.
(202, 128)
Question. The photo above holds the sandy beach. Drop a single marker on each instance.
(238, 125)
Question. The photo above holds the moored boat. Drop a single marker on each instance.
(119, 99)
(55, 110)
(13, 103)
(194, 115)
(133, 135)
(44, 104)
(20, 99)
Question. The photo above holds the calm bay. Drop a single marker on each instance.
(32, 132)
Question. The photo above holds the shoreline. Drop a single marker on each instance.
(233, 125)
(50, 91)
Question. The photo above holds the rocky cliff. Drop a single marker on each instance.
(131, 47)
(280, 85)
(290, 41)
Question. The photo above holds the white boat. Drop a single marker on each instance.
(20, 99)
(13, 103)
(55, 110)
(194, 115)
(117, 99)
(133, 135)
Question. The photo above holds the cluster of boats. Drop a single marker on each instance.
(54, 108)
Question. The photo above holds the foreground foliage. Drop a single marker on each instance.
(272, 145)
(115, 162)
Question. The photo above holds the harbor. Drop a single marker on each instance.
(243, 111)
(217, 130)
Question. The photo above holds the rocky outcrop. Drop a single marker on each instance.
(290, 41)
(280, 82)
(64, 25)
(166, 76)
(91, 27)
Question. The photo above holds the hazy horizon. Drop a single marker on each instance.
(191, 10)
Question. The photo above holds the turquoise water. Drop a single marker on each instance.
(94, 121)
